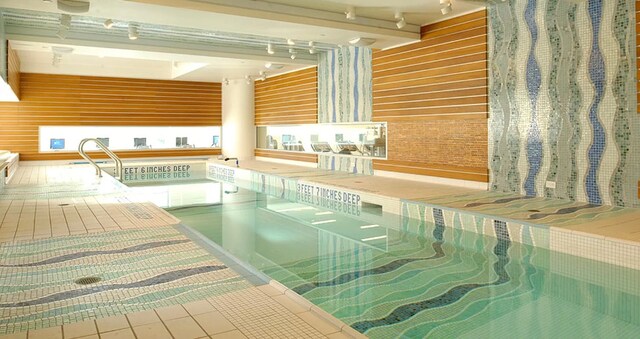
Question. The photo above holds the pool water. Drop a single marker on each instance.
(389, 276)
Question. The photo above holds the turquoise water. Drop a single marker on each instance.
(389, 276)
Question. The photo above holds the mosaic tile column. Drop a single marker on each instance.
(345, 95)
(563, 118)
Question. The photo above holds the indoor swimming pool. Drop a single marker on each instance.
(389, 276)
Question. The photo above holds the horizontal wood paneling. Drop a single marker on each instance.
(434, 96)
(13, 70)
(61, 100)
(296, 156)
(290, 98)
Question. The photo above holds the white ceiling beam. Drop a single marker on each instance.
(292, 14)
(160, 46)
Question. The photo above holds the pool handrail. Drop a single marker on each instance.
(107, 151)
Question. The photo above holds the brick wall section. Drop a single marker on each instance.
(433, 96)
(460, 143)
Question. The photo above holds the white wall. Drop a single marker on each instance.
(238, 123)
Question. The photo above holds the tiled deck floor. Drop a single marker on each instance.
(48, 240)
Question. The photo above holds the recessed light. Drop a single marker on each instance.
(361, 42)
(133, 32)
(351, 13)
(108, 23)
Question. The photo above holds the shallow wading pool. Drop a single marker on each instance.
(389, 276)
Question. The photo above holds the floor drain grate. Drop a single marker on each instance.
(534, 211)
(88, 280)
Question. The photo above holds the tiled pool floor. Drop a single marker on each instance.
(154, 281)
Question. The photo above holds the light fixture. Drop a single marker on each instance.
(293, 53)
(270, 49)
(74, 6)
(108, 24)
(312, 47)
(263, 76)
(401, 21)
(225, 81)
(446, 7)
(290, 42)
(362, 42)
(47, 1)
(351, 13)
(248, 79)
(272, 66)
(133, 32)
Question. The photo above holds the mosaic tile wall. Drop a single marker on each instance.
(563, 119)
(345, 95)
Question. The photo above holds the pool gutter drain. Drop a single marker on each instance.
(88, 280)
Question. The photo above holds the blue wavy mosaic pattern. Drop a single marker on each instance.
(582, 140)
(534, 80)
(140, 269)
(345, 95)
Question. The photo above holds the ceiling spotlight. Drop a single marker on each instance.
(362, 42)
(263, 76)
(270, 65)
(108, 23)
(74, 6)
(290, 42)
(270, 49)
(312, 47)
(351, 13)
(446, 7)
(248, 78)
(293, 53)
(133, 32)
(47, 1)
(401, 21)
(225, 81)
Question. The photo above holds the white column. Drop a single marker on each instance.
(238, 123)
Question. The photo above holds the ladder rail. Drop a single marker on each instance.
(106, 150)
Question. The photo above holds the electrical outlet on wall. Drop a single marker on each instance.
(550, 184)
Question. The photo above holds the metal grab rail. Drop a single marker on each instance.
(107, 151)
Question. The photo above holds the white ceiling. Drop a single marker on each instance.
(273, 20)
(112, 62)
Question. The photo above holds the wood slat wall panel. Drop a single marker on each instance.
(638, 63)
(288, 98)
(296, 156)
(434, 96)
(13, 70)
(61, 100)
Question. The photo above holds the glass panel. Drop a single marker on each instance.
(354, 139)
(67, 138)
